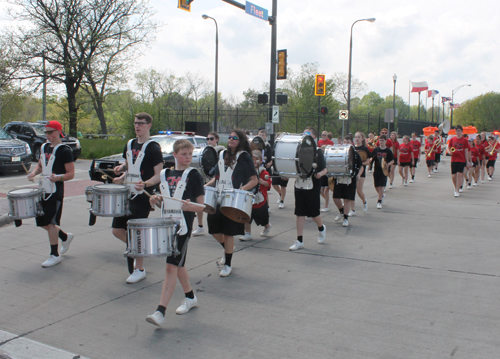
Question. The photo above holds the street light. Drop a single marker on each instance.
(216, 67)
(372, 19)
(394, 78)
(452, 94)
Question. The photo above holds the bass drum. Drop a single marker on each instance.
(257, 143)
(204, 160)
(339, 161)
(294, 155)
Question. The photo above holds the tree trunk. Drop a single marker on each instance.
(72, 110)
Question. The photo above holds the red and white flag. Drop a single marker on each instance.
(432, 93)
(454, 105)
(419, 86)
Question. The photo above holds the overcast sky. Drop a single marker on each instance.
(446, 43)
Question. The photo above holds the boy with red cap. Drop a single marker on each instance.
(56, 164)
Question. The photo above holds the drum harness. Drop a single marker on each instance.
(172, 209)
(45, 184)
(134, 169)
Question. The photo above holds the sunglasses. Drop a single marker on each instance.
(49, 132)
(307, 133)
(210, 138)
(236, 138)
(140, 123)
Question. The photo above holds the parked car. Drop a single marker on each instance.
(14, 153)
(166, 141)
(33, 133)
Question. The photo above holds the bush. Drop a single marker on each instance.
(97, 148)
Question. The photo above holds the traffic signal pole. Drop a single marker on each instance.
(272, 81)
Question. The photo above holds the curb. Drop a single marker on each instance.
(5, 219)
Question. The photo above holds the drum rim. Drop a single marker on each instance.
(154, 221)
(31, 192)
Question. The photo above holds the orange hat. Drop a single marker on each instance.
(54, 125)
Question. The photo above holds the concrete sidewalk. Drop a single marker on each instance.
(417, 279)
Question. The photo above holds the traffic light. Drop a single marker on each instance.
(262, 98)
(185, 5)
(320, 85)
(281, 65)
(324, 110)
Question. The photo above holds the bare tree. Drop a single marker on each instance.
(340, 79)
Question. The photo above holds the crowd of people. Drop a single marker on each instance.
(242, 166)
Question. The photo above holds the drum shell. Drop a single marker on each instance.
(237, 204)
(339, 161)
(88, 193)
(288, 153)
(150, 237)
(211, 199)
(110, 200)
(25, 204)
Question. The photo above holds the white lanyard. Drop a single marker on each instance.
(45, 183)
(172, 209)
(225, 175)
(134, 169)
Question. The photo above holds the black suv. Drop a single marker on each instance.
(33, 133)
(14, 153)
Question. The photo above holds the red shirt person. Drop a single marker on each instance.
(325, 141)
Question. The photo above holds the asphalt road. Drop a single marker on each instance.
(417, 279)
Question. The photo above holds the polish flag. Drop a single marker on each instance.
(419, 86)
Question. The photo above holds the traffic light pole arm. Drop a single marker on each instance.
(235, 3)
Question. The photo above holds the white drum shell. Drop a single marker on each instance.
(237, 204)
(88, 193)
(25, 203)
(211, 198)
(110, 200)
(148, 237)
(337, 161)
(285, 152)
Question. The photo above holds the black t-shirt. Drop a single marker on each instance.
(243, 170)
(63, 155)
(356, 164)
(377, 155)
(194, 188)
(152, 157)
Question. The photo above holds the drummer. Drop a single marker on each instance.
(307, 201)
(143, 161)
(379, 178)
(212, 141)
(187, 184)
(57, 166)
(325, 190)
(235, 169)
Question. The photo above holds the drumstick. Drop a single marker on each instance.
(181, 200)
(104, 174)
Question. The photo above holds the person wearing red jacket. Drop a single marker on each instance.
(416, 144)
(405, 158)
(459, 149)
(491, 150)
(395, 151)
(439, 141)
(430, 154)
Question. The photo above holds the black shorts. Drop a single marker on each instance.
(182, 246)
(379, 180)
(345, 191)
(363, 175)
(324, 181)
(414, 163)
(138, 209)
(430, 163)
(307, 202)
(279, 181)
(490, 163)
(218, 223)
(405, 164)
(475, 163)
(260, 215)
(438, 158)
(457, 167)
(52, 209)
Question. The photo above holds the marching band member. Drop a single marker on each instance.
(325, 190)
(405, 158)
(439, 141)
(364, 152)
(484, 143)
(260, 208)
(235, 169)
(430, 153)
(307, 201)
(144, 160)
(492, 149)
(371, 144)
(379, 178)
(347, 191)
(480, 153)
(416, 144)
(56, 165)
(279, 184)
(213, 141)
(474, 155)
(459, 147)
(395, 151)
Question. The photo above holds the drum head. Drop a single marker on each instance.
(350, 159)
(24, 191)
(208, 160)
(306, 153)
(257, 143)
(109, 186)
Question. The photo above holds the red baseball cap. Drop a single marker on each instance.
(54, 125)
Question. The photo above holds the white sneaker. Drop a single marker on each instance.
(52, 261)
(352, 213)
(474, 184)
(246, 237)
(469, 186)
(279, 200)
(321, 237)
(365, 206)
(489, 178)
(460, 190)
(456, 194)
(345, 223)
(406, 183)
(370, 171)
(435, 171)
(225, 271)
(281, 205)
(339, 217)
(429, 176)
(379, 205)
(136, 276)
(482, 181)
(296, 245)
(411, 180)
(187, 303)
(326, 209)
(156, 318)
(390, 186)
(65, 244)
(198, 231)
(265, 231)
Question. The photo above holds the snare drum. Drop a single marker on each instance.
(294, 155)
(204, 160)
(339, 161)
(88, 193)
(25, 203)
(148, 237)
(236, 205)
(211, 199)
(110, 200)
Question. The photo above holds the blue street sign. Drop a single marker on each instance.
(256, 11)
